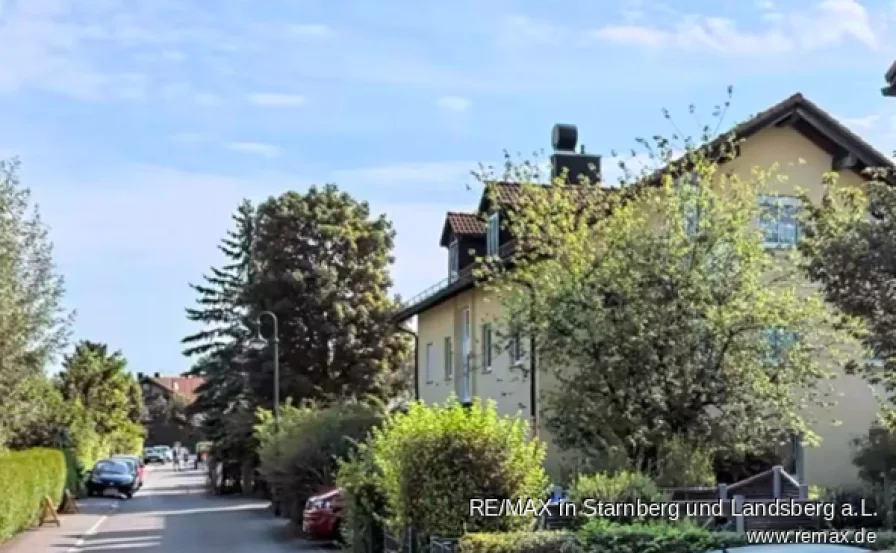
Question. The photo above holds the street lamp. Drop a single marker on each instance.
(258, 343)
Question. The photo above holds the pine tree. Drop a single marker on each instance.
(221, 310)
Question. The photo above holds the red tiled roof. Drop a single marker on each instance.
(461, 224)
(184, 386)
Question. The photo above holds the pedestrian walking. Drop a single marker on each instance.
(176, 460)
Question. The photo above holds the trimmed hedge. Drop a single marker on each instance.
(519, 542)
(602, 536)
(25, 478)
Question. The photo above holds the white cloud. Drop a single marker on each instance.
(313, 30)
(454, 103)
(274, 100)
(828, 23)
(255, 148)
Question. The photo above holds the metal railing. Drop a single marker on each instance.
(464, 275)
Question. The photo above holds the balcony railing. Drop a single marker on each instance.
(464, 275)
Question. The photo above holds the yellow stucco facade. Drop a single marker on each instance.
(828, 465)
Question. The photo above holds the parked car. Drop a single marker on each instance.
(167, 452)
(153, 455)
(137, 462)
(114, 475)
(322, 518)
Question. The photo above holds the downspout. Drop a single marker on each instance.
(416, 359)
(533, 380)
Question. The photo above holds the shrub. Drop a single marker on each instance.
(26, 477)
(434, 459)
(874, 454)
(602, 536)
(364, 503)
(519, 542)
(681, 464)
(623, 487)
(301, 460)
(862, 499)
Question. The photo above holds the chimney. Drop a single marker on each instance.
(565, 157)
(139, 377)
(157, 375)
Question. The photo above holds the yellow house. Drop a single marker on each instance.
(454, 317)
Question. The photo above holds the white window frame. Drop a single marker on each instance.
(453, 260)
(448, 355)
(486, 347)
(690, 211)
(493, 235)
(516, 349)
(428, 362)
(778, 202)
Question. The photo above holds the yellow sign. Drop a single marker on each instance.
(48, 513)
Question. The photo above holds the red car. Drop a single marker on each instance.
(323, 516)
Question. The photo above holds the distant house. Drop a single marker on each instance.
(158, 388)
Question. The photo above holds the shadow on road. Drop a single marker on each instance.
(175, 514)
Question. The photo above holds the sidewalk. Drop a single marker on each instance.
(68, 536)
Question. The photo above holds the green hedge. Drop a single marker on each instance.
(519, 542)
(25, 478)
(602, 536)
(434, 459)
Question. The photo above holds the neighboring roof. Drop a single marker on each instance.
(461, 224)
(811, 121)
(184, 386)
(797, 111)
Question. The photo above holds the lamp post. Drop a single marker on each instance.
(259, 343)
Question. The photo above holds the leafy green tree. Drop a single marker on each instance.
(660, 312)
(33, 324)
(849, 240)
(98, 382)
(323, 268)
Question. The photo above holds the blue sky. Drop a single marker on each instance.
(142, 123)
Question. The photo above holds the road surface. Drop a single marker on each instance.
(171, 514)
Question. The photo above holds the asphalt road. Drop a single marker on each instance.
(173, 514)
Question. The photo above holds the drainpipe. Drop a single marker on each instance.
(533, 373)
(416, 359)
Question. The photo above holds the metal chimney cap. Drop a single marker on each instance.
(564, 137)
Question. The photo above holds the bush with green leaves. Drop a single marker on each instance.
(26, 477)
(434, 459)
(301, 460)
(623, 487)
(364, 504)
(603, 536)
(519, 542)
(682, 463)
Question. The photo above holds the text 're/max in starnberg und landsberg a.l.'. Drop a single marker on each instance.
(492, 507)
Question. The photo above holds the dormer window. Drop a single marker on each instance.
(453, 260)
(493, 235)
